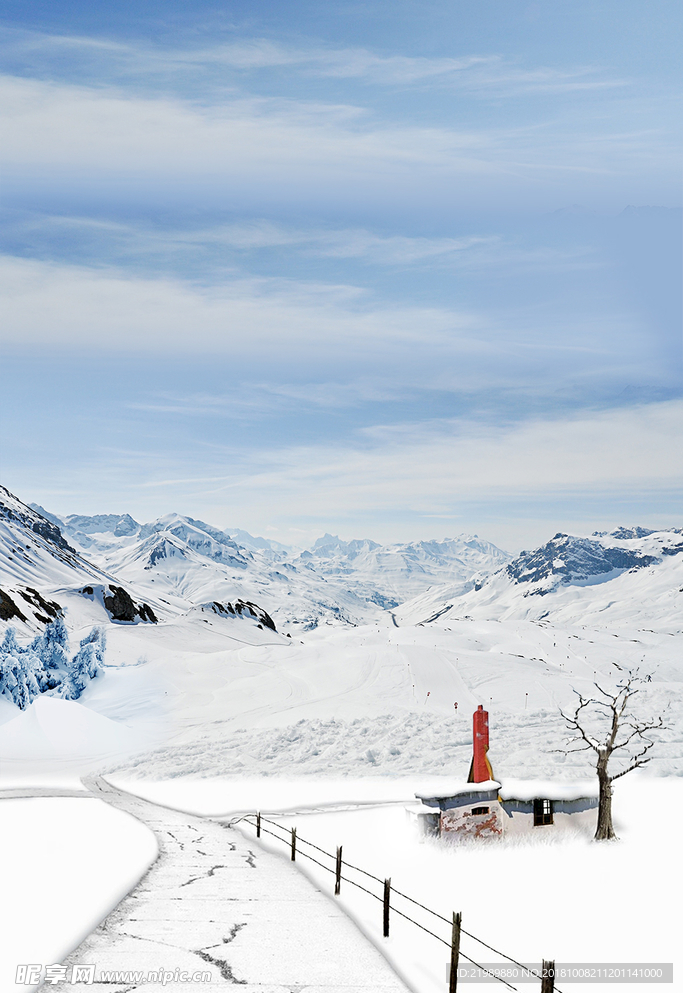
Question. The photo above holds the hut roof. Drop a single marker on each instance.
(521, 789)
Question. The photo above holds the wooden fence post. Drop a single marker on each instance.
(337, 877)
(387, 894)
(258, 825)
(293, 844)
(548, 976)
(455, 953)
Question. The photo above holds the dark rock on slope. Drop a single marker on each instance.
(570, 559)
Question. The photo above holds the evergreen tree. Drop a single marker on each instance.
(51, 647)
(18, 668)
(86, 663)
(44, 665)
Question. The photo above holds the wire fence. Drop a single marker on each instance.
(293, 840)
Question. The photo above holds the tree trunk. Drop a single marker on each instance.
(605, 830)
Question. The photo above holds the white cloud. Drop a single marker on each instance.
(587, 468)
(135, 244)
(617, 454)
(484, 73)
(54, 126)
(341, 243)
(89, 309)
(269, 398)
(515, 484)
(323, 329)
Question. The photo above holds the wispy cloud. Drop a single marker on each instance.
(294, 321)
(106, 309)
(251, 139)
(265, 399)
(623, 452)
(312, 151)
(606, 450)
(472, 252)
(488, 74)
(117, 239)
(345, 243)
(612, 458)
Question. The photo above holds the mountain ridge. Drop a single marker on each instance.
(631, 566)
(336, 581)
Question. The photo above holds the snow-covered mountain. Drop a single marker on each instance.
(396, 571)
(348, 582)
(104, 531)
(215, 682)
(628, 573)
(40, 570)
(34, 558)
(176, 564)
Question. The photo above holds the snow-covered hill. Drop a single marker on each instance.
(629, 575)
(40, 571)
(358, 688)
(34, 559)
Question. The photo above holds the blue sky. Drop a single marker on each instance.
(395, 270)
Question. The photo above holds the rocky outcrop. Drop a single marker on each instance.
(44, 610)
(9, 609)
(121, 607)
(568, 559)
(241, 608)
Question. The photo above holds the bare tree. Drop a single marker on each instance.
(607, 724)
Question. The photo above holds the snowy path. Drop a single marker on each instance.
(212, 903)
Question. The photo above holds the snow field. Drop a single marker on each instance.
(57, 737)
(225, 698)
(544, 895)
(380, 700)
(72, 861)
(560, 897)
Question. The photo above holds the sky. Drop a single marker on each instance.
(396, 271)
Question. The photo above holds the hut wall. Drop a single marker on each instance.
(518, 816)
(462, 822)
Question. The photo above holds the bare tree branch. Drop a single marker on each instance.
(622, 732)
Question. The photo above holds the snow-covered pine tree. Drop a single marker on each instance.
(19, 668)
(51, 646)
(44, 665)
(86, 663)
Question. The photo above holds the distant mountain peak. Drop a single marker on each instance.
(624, 534)
(566, 559)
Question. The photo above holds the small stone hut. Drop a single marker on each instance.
(483, 807)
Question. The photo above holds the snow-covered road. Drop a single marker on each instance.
(211, 903)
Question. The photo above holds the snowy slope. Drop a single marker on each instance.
(377, 692)
(34, 551)
(35, 558)
(380, 700)
(41, 573)
(205, 571)
(337, 582)
(181, 559)
(631, 576)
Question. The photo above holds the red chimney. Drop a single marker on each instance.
(480, 770)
